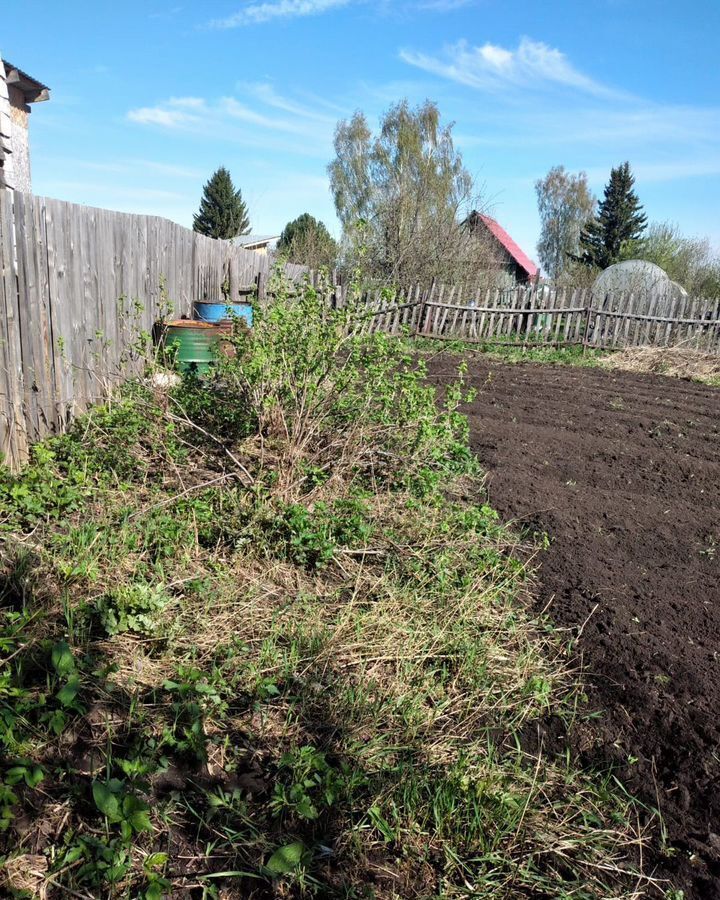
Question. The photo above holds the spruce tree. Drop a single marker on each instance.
(620, 219)
(223, 212)
(307, 241)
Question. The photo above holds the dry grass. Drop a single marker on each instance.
(677, 362)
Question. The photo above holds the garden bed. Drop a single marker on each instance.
(621, 471)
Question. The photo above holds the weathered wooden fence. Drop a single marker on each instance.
(77, 286)
(540, 315)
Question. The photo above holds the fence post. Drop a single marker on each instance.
(334, 293)
(425, 298)
(590, 323)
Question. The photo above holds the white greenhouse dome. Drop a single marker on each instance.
(637, 276)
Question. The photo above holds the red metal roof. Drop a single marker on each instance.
(509, 244)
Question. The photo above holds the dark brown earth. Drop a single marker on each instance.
(623, 472)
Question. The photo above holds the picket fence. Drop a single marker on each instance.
(541, 315)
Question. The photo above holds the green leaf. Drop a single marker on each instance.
(140, 821)
(136, 812)
(33, 776)
(15, 775)
(69, 690)
(155, 861)
(155, 891)
(382, 825)
(73, 855)
(106, 801)
(118, 871)
(62, 659)
(286, 859)
(306, 809)
(58, 721)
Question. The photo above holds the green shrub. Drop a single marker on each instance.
(328, 402)
(310, 537)
(42, 491)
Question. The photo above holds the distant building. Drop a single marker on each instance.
(518, 265)
(260, 243)
(17, 91)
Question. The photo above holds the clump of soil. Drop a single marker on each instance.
(623, 472)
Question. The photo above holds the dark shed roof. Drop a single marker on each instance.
(35, 91)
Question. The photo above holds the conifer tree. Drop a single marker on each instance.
(223, 212)
(620, 219)
(307, 241)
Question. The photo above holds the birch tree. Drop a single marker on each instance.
(565, 204)
(402, 197)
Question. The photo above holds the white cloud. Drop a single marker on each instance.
(630, 127)
(187, 102)
(156, 115)
(251, 120)
(531, 65)
(267, 94)
(243, 113)
(257, 13)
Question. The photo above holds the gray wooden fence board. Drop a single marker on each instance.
(13, 430)
(64, 337)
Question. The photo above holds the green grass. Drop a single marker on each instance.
(572, 355)
(262, 635)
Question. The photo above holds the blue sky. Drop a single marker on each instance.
(148, 98)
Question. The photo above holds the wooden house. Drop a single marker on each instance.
(518, 266)
(17, 91)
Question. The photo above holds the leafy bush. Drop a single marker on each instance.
(40, 492)
(309, 537)
(320, 397)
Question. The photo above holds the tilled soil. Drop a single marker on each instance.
(623, 473)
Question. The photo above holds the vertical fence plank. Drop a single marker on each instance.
(14, 440)
(561, 304)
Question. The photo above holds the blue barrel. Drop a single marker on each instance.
(216, 312)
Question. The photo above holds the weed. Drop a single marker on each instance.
(711, 549)
(307, 784)
(530, 352)
(310, 537)
(132, 607)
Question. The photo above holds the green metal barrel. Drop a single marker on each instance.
(196, 344)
